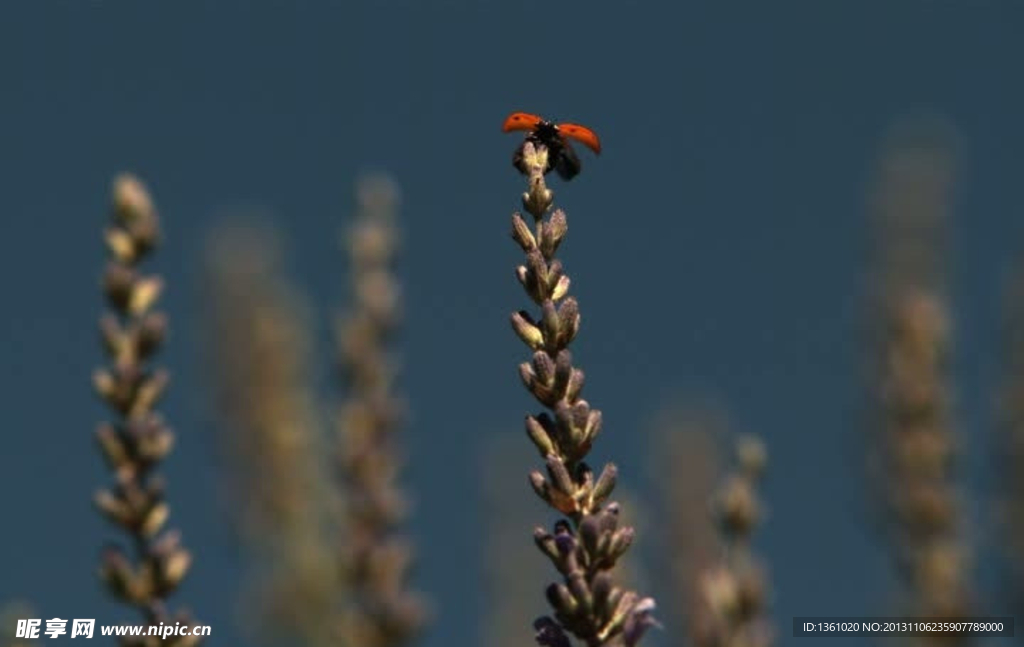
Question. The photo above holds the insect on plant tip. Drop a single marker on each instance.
(555, 137)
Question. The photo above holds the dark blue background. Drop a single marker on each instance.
(717, 246)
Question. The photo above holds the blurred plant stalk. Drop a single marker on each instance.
(325, 526)
(375, 557)
(10, 613)
(733, 595)
(915, 442)
(685, 446)
(138, 440)
(1010, 448)
(259, 352)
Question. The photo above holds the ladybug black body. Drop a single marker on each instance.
(561, 156)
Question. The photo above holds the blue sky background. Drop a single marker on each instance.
(717, 247)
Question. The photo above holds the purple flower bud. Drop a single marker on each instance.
(563, 371)
(639, 620)
(590, 532)
(566, 544)
(549, 634)
(544, 367)
(561, 599)
(522, 234)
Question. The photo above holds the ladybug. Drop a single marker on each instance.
(555, 137)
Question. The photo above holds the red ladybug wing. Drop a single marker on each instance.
(520, 121)
(582, 134)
